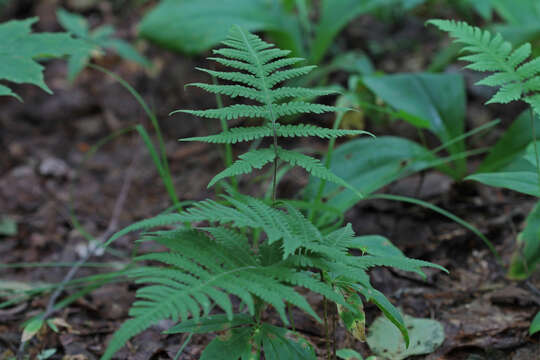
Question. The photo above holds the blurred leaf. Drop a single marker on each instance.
(193, 26)
(349, 354)
(334, 15)
(20, 49)
(45, 354)
(369, 164)
(535, 324)
(433, 101)
(279, 343)
(101, 37)
(426, 335)
(235, 343)
(511, 145)
(527, 256)
(522, 181)
(31, 329)
(8, 227)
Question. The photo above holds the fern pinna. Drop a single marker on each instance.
(244, 256)
(517, 76)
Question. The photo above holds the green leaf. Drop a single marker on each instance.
(523, 181)
(279, 343)
(354, 318)
(212, 323)
(31, 329)
(526, 258)
(511, 145)
(247, 162)
(334, 15)
(234, 344)
(349, 354)
(99, 38)
(73, 23)
(193, 26)
(426, 335)
(20, 49)
(367, 170)
(535, 324)
(8, 227)
(434, 101)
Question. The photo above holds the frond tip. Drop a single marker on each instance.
(517, 77)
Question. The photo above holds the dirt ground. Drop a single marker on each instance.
(44, 179)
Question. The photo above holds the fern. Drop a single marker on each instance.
(513, 71)
(260, 69)
(243, 247)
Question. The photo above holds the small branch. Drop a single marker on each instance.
(111, 228)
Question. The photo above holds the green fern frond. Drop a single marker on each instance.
(298, 92)
(236, 134)
(513, 72)
(230, 112)
(232, 91)
(251, 160)
(194, 279)
(259, 68)
(314, 167)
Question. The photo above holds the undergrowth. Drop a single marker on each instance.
(233, 262)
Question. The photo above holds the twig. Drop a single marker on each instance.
(111, 228)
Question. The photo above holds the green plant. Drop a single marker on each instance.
(518, 78)
(245, 247)
(97, 39)
(194, 26)
(21, 50)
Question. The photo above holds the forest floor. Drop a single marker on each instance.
(45, 178)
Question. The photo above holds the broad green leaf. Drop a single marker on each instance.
(193, 26)
(279, 343)
(349, 354)
(535, 324)
(210, 323)
(375, 245)
(236, 344)
(388, 309)
(383, 339)
(526, 258)
(20, 49)
(8, 227)
(522, 20)
(511, 145)
(433, 101)
(334, 15)
(369, 164)
(31, 329)
(522, 181)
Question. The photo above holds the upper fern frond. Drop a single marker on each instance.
(517, 76)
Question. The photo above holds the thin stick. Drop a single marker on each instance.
(111, 228)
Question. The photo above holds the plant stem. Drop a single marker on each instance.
(164, 171)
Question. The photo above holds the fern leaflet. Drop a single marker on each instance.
(516, 75)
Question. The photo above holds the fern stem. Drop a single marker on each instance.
(164, 171)
(533, 128)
